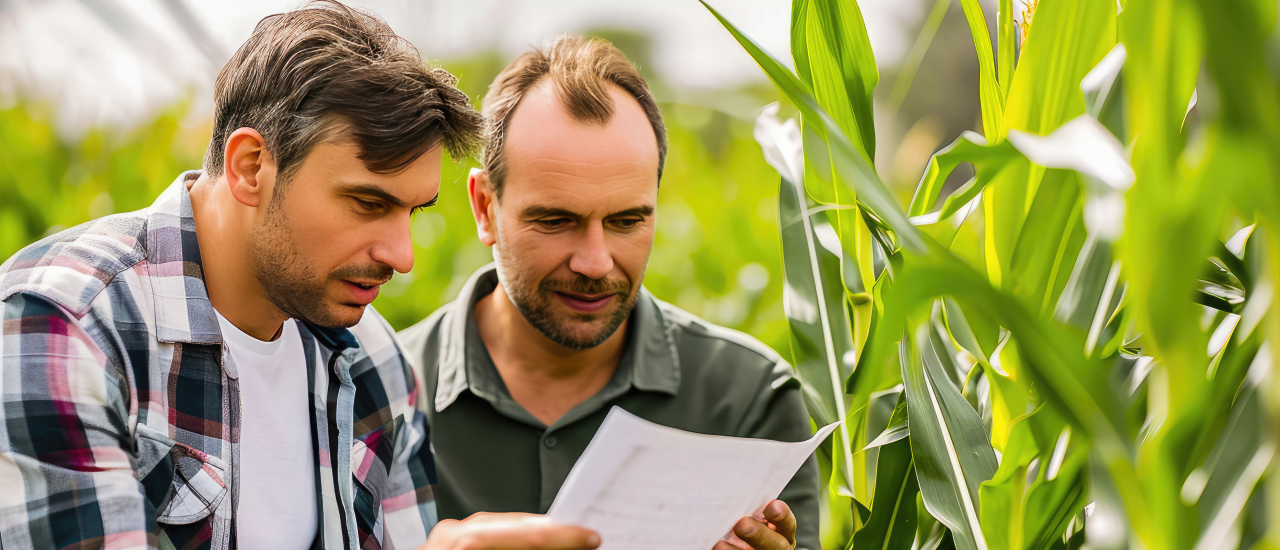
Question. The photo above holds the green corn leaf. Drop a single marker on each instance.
(799, 41)
(1058, 495)
(1007, 30)
(841, 69)
(846, 160)
(1002, 495)
(1074, 385)
(1049, 242)
(1092, 294)
(969, 147)
(1221, 487)
(953, 456)
(892, 524)
(1082, 144)
(1238, 34)
(1229, 384)
(814, 293)
(1066, 42)
(978, 336)
(814, 304)
(988, 88)
(1078, 304)
(833, 57)
(961, 198)
(896, 430)
(930, 533)
(1040, 485)
(1226, 280)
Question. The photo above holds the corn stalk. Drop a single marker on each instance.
(1099, 371)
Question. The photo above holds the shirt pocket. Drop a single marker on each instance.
(372, 455)
(196, 482)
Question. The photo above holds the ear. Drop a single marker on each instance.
(249, 168)
(484, 206)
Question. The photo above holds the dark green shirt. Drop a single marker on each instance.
(677, 370)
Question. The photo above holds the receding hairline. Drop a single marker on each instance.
(581, 69)
(640, 134)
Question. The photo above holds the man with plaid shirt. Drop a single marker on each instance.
(124, 420)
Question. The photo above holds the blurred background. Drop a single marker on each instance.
(104, 102)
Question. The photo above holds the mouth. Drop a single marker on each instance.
(585, 303)
(363, 291)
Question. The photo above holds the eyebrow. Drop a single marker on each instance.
(380, 193)
(544, 211)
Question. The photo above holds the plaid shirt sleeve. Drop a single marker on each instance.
(410, 510)
(66, 467)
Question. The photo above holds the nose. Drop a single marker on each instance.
(396, 249)
(592, 259)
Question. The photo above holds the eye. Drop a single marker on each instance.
(553, 223)
(627, 223)
(368, 207)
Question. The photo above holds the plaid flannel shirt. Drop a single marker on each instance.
(121, 407)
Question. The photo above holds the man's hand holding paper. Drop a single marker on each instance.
(775, 529)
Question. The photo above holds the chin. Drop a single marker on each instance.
(349, 316)
(583, 334)
(339, 316)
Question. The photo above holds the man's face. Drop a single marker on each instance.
(335, 232)
(574, 226)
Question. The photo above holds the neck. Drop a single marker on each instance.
(546, 378)
(223, 230)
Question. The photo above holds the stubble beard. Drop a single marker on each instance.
(535, 301)
(292, 285)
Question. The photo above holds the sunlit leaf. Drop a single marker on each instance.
(948, 442)
(841, 69)
(814, 294)
(845, 158)
(989, 92)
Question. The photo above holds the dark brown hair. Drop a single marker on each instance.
(581, 71)
(327, 72)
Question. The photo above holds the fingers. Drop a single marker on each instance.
(759, 536)
(544, 536)
(509, 532)
(784, 522)
(503, 518)
(726, 545)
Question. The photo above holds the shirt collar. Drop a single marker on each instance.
(651, 358)
(183, 310)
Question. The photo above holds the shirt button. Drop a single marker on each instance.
(550, 442)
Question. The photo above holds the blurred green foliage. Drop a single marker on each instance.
(48, 183)
(716, 251)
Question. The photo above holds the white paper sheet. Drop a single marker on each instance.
(645, 486)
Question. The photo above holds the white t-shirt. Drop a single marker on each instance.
(277, 504)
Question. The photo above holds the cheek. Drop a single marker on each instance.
(632, 253)
(325, 238)
(536, 252)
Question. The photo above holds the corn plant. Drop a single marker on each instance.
(1074, 347)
